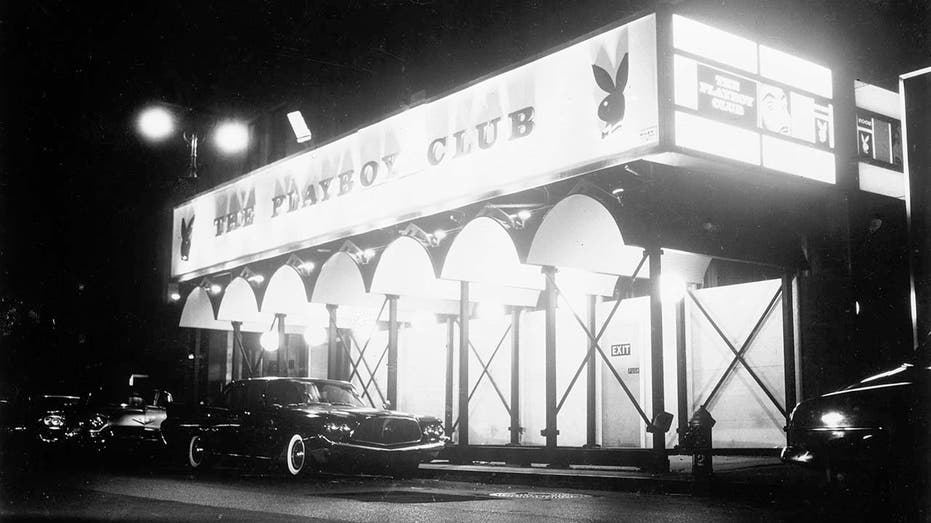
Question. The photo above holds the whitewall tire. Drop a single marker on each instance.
(295, 455)
(197, 457)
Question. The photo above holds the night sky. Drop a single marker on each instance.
(84, 199)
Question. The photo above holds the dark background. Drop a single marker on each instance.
(84, 201)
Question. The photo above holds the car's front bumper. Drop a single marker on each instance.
(836, 447)
(326, 451)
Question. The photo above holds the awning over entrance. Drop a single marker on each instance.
(198, 312)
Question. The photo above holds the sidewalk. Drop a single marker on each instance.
(744, 476)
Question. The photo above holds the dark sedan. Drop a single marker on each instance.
(879, 424)
(125, 418)
(303, 423)
(47, 420)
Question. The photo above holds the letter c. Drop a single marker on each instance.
(436, 151)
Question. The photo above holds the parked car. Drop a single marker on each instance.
(877, 425)
(47, 420)
(303, 423)
(125, 418)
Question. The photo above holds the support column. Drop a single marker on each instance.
(450, 347)
(239, 354)
(393, 351)
(682, 404)
(230, 355)
(195, 366)
(656, 356)
(788, 339)
(591, 412)
(551, 431)
(282, 347)
(516, 428)
(335, 357)
(463, 363)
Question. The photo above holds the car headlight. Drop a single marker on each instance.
(336, 430)
(434, 432)
(97, 422)
(54, 421)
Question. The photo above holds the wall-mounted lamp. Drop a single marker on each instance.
(174, 293)
(426, 239)
(302, 266)
(251, 276)
(299, 126)
(358, 255)
(509, 221)
(211, 287)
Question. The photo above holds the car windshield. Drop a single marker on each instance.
(339, 395)
(291, 392)
(49, 402)
(901, 374)
(122, 396)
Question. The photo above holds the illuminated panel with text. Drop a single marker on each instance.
(879, 141)
(750, 103)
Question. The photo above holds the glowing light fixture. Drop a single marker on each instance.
(832, 419)
(231, 137)
(299, 126)
(215, 288)
(269, 340)
(315, 335)
(156, 123)
(489, 310)
(174, 295)
(671, 288)
(439, 234)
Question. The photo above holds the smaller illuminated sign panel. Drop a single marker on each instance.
(752, 104)
(879, 141)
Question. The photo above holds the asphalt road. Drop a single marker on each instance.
(129, 490)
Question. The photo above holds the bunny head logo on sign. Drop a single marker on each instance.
(186, 238)
(611, 110)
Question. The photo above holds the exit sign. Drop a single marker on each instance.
(622, 349)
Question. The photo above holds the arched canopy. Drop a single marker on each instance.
(285, 293)
(405, 269)
(239, 304)
(579, 232)
(484, 252)
(340, 282)
(198, 312)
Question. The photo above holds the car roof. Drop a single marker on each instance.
(296, 378)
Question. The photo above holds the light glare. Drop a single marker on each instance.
(832, 419)
(315, 335)
(156, 123)
(269, 340)
(671, 288)
(231, 137)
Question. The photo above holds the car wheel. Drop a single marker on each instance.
(197, 456)
(295, 455)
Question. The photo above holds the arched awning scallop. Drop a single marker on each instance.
(198, 312)
(483, 251)
(405, 269)
(285, 293)
(239, 304)
(340, 282)
(580, 233)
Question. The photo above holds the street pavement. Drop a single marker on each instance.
(147, 490)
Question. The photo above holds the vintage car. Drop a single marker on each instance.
(47, 420)
(877, 425)
(303, 424)
(125, 418)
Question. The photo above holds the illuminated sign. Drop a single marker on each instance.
(585, 107)
(879, 141)
(750, 103)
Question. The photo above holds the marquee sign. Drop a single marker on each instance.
(581, 108)
(879, 140)
(744, 101)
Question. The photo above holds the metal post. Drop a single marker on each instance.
(450, 347)
(681, 373)
(463, 363)
(551, 431)
(515, 377)
(590, 409)
(282, 346)
(334, 354)
(656, 356)
(788, 339)
(237, 350)
(393, 351)
(195, 366)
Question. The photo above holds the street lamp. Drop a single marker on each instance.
(157, 123)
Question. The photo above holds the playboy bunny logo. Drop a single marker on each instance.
(822, 131)
(186, 238)
(865, 143)
(611, 109)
